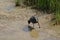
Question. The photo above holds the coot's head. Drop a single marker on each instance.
(28, 21)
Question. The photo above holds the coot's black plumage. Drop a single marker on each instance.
(33, 20)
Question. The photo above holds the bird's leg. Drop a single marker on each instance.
(33, 25)
(39, 25)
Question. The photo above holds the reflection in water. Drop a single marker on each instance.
(26, 29)
(30, 28)
(33, 33)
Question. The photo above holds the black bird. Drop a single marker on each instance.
(33, 20)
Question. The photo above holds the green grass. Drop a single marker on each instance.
(50, 6)
(17, 2)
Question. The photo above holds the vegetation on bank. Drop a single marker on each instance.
(49, 6)
(17, 2)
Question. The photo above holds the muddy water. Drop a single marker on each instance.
(12, 24)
